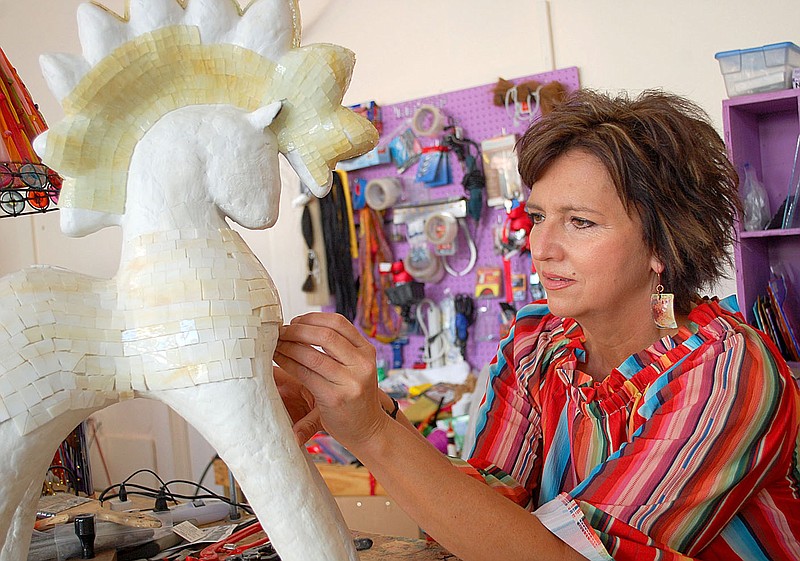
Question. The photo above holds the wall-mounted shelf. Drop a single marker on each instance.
(770, 233)
(762, 130)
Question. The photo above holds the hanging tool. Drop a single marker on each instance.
(514, 239)
(473, 181)
(465, 316)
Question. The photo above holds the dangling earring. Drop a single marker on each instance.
(661, 306)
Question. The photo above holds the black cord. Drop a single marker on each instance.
(128, 485)
(71, 475)
(205, 472)
(145, 470)
(153, 493)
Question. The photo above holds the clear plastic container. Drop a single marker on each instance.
(760, 69)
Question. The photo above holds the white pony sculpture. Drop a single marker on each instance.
(174, 117)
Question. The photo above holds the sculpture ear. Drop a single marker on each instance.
(263, 116)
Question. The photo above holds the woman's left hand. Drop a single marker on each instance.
(328, 355)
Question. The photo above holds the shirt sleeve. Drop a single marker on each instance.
(508, 429)
(715, 426)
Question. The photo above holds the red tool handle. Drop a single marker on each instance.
(227, 547)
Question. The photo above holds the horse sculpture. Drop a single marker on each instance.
(174, 117)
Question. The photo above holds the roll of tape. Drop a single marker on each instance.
(423, 265)
(428, 121)
(441, 228)
(382, 193)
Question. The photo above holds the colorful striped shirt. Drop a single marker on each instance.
(688, 450)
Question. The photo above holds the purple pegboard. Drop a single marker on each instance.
(473, 111)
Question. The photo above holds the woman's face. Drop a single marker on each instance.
(589, 253)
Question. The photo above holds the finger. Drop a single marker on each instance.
(337, 322)
(285, 382)
(307, 427)
(329, 363)
(293, 394)
(317, 383)
(332, 343)
(282, 377)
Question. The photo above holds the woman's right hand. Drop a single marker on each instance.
(336, 364)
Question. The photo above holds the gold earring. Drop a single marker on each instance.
(662, 307)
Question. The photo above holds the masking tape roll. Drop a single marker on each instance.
(441, 228)
(381, 194)
(422, 115)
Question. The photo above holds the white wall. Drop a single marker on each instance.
(405, 50)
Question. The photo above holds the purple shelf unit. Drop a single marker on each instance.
(472, 110)
(762, 129)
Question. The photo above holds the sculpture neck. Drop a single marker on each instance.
(154, 261)
(154, 209)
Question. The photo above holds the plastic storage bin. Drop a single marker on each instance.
(760, 69)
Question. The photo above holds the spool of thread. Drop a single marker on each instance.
(381, 194)
(441, 228)
(428, 120)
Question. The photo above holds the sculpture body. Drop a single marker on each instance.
(174, 117)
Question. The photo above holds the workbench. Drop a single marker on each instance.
(385, 548)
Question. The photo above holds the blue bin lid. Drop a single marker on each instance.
(783, 45)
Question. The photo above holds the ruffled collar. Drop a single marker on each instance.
(708, 320)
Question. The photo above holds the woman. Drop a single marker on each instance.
(634, 424)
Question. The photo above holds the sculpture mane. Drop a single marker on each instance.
(165, 55)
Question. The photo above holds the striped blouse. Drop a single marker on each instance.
(689, 449)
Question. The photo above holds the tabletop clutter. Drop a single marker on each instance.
(82, 528)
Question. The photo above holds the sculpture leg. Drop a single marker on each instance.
(245, 421)
(23, 464)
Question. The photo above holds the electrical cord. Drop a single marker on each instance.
(71, 475)
(153, 493)
(205, 472)
(123, 487)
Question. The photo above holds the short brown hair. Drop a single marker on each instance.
(667, 162)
